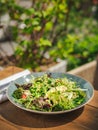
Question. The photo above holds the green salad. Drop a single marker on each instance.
(49, 94)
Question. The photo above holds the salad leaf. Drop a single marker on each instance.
(45, 93)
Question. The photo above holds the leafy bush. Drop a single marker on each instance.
(54, 27)
(84, 52)
(42, 27)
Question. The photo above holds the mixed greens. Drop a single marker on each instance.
(45, 93)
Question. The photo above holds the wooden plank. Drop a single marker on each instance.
(9, 71)
(95, 83)
(94, 101)
(89, 118)
(69, 126)
(28, 120)
(6, 126)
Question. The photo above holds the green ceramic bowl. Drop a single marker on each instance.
(82, 83)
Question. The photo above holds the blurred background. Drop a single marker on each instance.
(37, 34)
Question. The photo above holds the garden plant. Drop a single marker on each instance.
(64, 29)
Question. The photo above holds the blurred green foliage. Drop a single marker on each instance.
(66, 29)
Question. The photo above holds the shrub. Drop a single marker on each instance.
(54, 27)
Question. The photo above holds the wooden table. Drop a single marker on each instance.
(13, 118)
